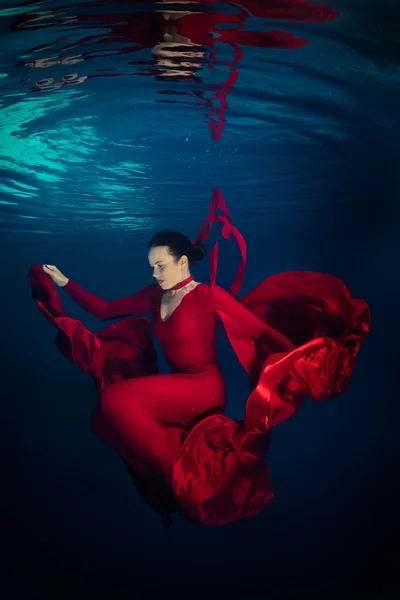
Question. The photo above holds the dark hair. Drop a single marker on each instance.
(178, 245)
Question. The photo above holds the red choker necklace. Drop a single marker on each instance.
(182, 284)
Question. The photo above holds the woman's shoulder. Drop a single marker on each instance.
(151, 289)
(150, 292)
(210, 288)
(202, 288)
(209, 291)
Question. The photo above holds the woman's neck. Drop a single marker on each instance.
(182, 283)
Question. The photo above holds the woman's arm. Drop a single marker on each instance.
(141, 302)
(246, 320)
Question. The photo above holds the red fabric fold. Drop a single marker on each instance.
(213, 482)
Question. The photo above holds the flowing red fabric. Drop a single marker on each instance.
(219, 472)
(218, 204)
(310, 335)
(122, 350)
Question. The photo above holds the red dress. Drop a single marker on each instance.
(297, 334)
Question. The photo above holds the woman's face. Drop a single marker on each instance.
(166, 269)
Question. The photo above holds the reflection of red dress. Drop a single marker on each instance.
(207, 28)
(296, 334)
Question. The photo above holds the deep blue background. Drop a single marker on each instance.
(308, 164)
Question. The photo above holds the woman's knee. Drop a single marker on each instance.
(119, 400)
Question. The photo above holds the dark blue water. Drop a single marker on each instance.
(113, 126)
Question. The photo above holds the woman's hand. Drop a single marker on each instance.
(56, 275)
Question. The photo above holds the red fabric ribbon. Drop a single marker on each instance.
(218, 203)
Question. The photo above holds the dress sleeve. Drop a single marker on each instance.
(246, 321)
(141, 302)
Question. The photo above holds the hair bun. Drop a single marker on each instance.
(197, 252)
